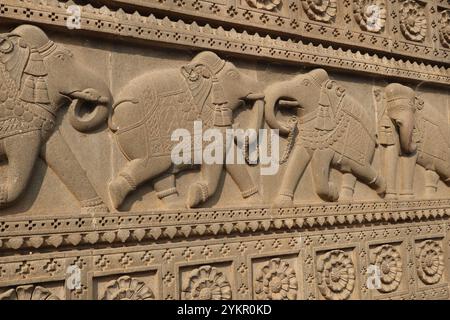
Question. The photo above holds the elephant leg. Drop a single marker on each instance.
(167, 192)
(347, 187)
(60, 158)
(368, 175)
(22, 151)
(296, 166)
(407, 165)
(200, 191)
(240, 175)
(389, 170)
(133, 174)
(320, 165)
(431, 183)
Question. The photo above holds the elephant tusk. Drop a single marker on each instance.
(288, 104)
(89, 96)
(255, 96)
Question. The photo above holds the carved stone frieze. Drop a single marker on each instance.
(260, 149)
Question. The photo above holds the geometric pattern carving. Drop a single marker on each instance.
(430, 261)
(28, 292)
(336, 275)
(207, 283)
(276, 280)
(387, 258)
(127, 288)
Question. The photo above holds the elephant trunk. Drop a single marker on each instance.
(258, 105)
(272, 95)
(405, 129)
(90, 107)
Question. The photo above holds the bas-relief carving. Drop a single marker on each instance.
(38, 77)
(411, 131)
(151, 107)
(332, 130)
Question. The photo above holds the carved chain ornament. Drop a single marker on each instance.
(147, 158)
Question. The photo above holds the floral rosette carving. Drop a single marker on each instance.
(207, 283)
(413, 22)
(320, 10)
(388, 260)
(276, 281)
(444, 31)
(430, 261)
(127, 288)
(264, 4)
(336, 275)
(28, 292)
(370, 14)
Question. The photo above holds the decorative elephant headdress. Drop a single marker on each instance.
(399, 98)
(22, 52)
(201, 78)
(325, 114)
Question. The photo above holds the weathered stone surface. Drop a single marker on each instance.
(353, 202)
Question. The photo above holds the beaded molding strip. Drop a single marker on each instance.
(191, 35)
(59, 231)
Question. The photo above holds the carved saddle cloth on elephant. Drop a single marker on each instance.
(172, 102)
(431, 135)
(340, 123)
(24, 100)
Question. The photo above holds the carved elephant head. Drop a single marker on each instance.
(305, 91)
(210, 76)
(400, 107)
(45, 73)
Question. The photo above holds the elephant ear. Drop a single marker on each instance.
(26, 67)
(15, 55)
(325, 116)
(200, 82)
(35, 89)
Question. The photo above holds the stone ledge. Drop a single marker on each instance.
(62, 231)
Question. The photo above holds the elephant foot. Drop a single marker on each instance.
(198, 193)
(390, 196)
(173, 201)
(95, 205)
(254, 198)
(118, 190)
(3, 196)
(334, 192)
(346, 194)
(430, 192)
(379, 185)
(283, 200)
(406, 196)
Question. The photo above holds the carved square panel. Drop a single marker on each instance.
(369, 16)
(387, 273)
(430, 262)
(413, 21)
(214, 281)
(276, 278)
(35, 291)
(443, 27)
(337, 275)
(143, 285)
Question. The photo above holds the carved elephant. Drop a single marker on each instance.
(332, 130)
(37, 78)
(153, 105)
(410, 132)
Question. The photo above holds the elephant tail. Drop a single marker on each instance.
(112, 126)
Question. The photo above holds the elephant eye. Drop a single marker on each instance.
(233, 74)
(306, 82)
